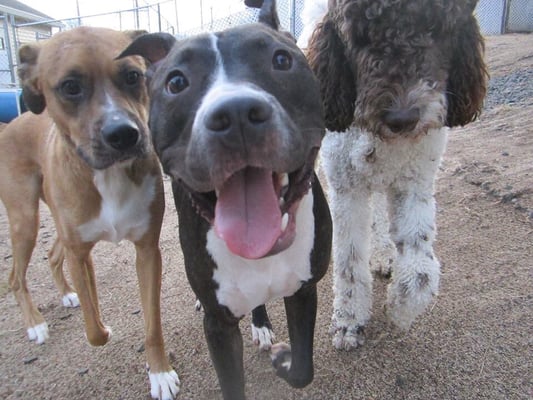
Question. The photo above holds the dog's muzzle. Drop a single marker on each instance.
(120, 132)
(254, 211)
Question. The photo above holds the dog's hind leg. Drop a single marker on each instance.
(24, 224)
(262, 333)
(56, 257)
(81, 270)
(383, 252)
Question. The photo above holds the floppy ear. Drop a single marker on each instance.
(152, 46)
(29, 78)
(327, 58)
(467, 82)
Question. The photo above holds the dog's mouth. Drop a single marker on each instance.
(254, 210)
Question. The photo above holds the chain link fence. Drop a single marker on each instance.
(505, 16)
(494, 16)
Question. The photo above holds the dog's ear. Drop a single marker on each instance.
(467, 82)
(327, 58)
(253, 3)
(29, 78)
(268, 14)
(152, 46)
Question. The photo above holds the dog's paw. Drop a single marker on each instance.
(348, 338)
(198, 306)
(38, 333)
(280, 354)
(402, 309)
(382, 259)
(164, 385)
(71, 300)
(381, 266)
(263, 337)
(412, 290)
(100, 337)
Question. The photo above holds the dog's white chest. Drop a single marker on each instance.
(124, 212)
(245, 284)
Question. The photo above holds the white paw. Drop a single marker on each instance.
(164, 385)
(263, 337)
(38, 333)
(411, 290)
(71, 300)
(109, 332)
(280, 353)
(348, 339)
(198, 306)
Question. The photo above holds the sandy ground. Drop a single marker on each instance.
(475, 341)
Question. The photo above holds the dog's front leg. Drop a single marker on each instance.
(295, 363)
(224, 341)
(164, 381)
(81, 270)
(416, 273)
(352, 280)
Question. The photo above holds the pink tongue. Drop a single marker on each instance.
(247, 214)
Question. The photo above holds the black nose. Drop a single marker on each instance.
(239, 114)
(402, 120)
(120, 133)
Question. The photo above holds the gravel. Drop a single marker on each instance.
(514, 89)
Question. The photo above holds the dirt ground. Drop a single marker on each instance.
(475, 341)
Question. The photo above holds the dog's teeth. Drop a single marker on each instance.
(284, 221)
(284, 180)
(281, 202)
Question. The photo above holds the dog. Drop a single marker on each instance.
(85, 150)
(239, 139)
(394, 76)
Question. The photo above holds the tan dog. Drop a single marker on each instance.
(89, 156)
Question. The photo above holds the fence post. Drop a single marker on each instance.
(7, 45)
(505, 14)
(292, 18)
(13, 57)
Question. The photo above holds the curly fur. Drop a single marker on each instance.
(394, 74)
(364, 50)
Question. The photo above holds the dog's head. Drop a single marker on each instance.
(99, 103)
(399, 68)
(236, 118)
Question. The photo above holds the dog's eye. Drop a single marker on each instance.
(177, 82)
(282, 60)
(132, 77)
(71, 88)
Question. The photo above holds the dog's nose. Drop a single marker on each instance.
(402, 120)
(120, 133)
(245, 113)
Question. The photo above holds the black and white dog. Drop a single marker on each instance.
(237, 122)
